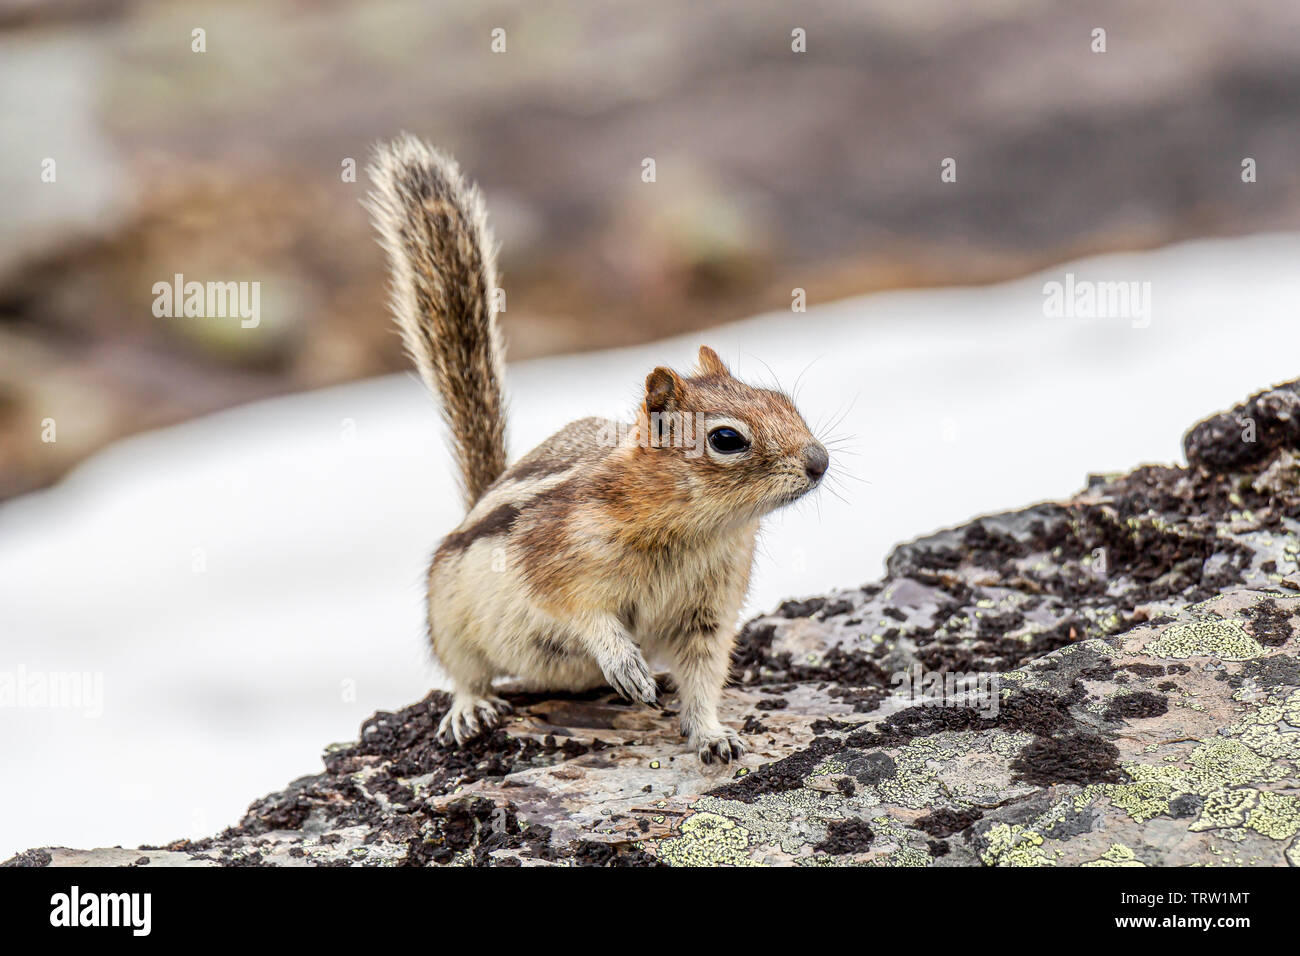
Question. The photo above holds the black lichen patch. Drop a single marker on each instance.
(944, 822)
(856, 677)
(869, 768)
(863, 699)
(1078, 758)
(753, 726)
(825, 725)
(1269, 624)
(835, 608)
(1278, 671)
(1033, 711)
(274, 814)
(792, 609)
(394, 746)
(591, 853)
(1144, 670)
(248, 857)
(778, 776)
(29, 858)
(407, 739)
(1186, 805)
(897, 729)
(1137, 706)
(846, 836)
(844, 667)
(449, 831)
(1039, 712)
(1217, 444)
(1072, 824)
(479, 826)
(997, 624)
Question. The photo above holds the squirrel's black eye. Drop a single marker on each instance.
(728, 441)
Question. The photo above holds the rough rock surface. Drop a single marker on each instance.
(1139, 653)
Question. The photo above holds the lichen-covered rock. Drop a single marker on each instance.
(1112, 680)
(1247, 433)
(1169, 744)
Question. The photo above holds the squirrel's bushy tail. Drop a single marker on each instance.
(433, 225)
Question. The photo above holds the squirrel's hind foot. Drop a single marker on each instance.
(723, 746)
(469, 716)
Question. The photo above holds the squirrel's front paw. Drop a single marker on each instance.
(722, 745)
(629, 674)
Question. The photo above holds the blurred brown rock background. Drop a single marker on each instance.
(774, 170)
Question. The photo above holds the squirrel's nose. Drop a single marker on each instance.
(815, 460)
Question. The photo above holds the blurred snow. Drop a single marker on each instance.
(249, 584)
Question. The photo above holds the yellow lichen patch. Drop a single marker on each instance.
(1144, 799)
(1220, 762)
(1008, 745)
(888, 830)
(1117, 855)
(1218, 770)
(1015, 845)
(915, 783)
(831, 766)
(828, 860)
(1225, 640)
(1291, 709)
(1270, 730)
(1274, 815)
(903, 856)
(786, 819)
(708, 839)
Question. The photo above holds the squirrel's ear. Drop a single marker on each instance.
(710, 364)
(663, 390)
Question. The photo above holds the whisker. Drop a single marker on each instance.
(776, 382)
(845, 414)
(832, 491)
(806, 368)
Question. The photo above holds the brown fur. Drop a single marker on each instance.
(433, 225)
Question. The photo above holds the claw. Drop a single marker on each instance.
(723, 746)
(629, 675)
(469, 716)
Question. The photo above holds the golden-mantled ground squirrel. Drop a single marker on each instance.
(609, 543)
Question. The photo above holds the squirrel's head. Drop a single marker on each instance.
(741, 449)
